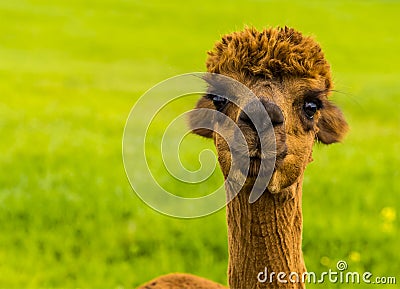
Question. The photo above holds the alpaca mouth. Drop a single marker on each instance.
(262, 167)
(261, 163)
(258, 167)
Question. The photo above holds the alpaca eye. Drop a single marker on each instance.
(219, 101)
(310, 108)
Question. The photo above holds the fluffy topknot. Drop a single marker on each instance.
(274, 53)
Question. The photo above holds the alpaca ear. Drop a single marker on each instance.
(198, 119)
(332, 125)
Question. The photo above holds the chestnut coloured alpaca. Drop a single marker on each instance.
(289, 74)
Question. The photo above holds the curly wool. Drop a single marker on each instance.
(272, 54)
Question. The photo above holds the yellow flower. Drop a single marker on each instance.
(389, 214)
(355, 256)
(325, 261)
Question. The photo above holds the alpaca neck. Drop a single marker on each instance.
(265, 236)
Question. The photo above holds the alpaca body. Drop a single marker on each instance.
(181, 281)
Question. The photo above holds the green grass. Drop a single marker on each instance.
(70, 72)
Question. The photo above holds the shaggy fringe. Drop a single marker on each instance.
(272, 54)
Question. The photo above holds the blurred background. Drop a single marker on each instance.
(70, 71)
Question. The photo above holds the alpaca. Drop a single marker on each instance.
(289, 74)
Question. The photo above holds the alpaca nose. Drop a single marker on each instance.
(274, 112)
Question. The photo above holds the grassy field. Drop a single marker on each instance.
(70, 71)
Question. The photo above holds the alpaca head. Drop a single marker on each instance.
(288, 73)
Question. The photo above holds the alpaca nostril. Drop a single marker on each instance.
(245, 118)
(274, 112)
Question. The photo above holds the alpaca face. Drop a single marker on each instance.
(289, 75)
(300, 113)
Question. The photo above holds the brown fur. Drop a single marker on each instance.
(283, 69)
(271, 54)
(181, 281)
